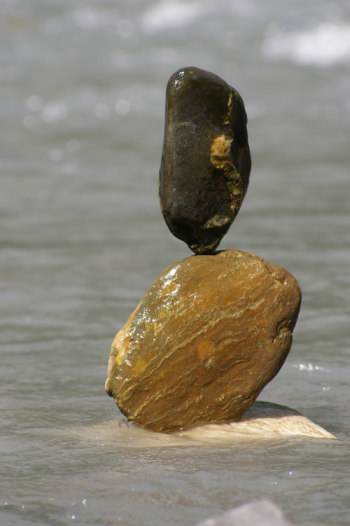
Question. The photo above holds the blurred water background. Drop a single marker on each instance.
(82, 91)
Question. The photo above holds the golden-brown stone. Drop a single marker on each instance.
(205, 339)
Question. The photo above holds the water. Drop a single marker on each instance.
(82, 237)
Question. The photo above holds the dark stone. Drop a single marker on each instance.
(205, 165)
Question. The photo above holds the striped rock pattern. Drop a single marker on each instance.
(205, 339)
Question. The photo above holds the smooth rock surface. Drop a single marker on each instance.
(205, 339)
(256, 513)
(205, 165)
(263, 420)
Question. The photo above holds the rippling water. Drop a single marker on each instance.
(82, 100)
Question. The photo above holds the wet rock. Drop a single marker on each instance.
(205, 165)
(262, 420)
(260, 512)
(205, 339)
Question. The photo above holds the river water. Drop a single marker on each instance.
(82, 112)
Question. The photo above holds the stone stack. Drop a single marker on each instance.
(215, 328)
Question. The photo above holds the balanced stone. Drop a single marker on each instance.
(205, 339)
(205, 164)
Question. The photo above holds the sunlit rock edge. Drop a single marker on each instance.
(263, 512)
(263, 421)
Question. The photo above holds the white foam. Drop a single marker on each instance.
(170, 13)
(323, 45)
(309, 367)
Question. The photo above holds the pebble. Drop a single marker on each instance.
(206, 163)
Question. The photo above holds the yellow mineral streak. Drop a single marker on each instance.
(227, 119)
(221, 159)
(220, 152)
(217, 221)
